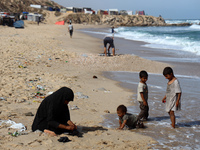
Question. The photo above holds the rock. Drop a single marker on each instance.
(95, 77)
(29, 114)
(120, 20)
(107, 111)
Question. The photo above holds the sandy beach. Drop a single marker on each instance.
(45, 56)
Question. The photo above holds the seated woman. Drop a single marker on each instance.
(53, 115)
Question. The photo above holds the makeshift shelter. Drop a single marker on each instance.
(140, 12)
(123, 12)
(34, 17)
(50, 9)
(7, 20)
(88, 10)
(63, 10)
(129, 12)
(24, 15)
(19, 24)
(113, 12)
(77, 10)
(102, 12)
(74, 10)
(60, 23)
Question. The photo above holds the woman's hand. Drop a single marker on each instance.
(71, 124)
(70, 127)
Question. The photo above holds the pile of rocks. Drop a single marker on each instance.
(120, 20)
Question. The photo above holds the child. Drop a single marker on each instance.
(142, 96)
(127, 119)
(113, 31)
(173, 94)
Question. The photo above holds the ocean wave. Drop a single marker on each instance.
(174, 38)
(195, 26)
(176, 21)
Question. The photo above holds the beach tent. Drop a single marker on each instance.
(60, 23)
(19, 24)
(34, 17)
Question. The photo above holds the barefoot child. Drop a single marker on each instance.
(126, 119)
(173, 94)
(142, 96)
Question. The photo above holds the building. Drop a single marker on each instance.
(74, 10)
(63, 10)
(113, 12)
(88, 10)
(129, 12)
(140, 12)
(123, 12)
(102, 12)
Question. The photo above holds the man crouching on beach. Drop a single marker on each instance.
(108, 40)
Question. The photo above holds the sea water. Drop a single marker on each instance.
(177, 38)
(187, 132)
(183, 38)
(174, 44)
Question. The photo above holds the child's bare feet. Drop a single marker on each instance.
(51, 133)
(173, 126)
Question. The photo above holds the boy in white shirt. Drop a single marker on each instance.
(142, 96)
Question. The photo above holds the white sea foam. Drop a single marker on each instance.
(182, 21)
(175, 38)
(195, 26)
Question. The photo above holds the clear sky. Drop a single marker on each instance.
(168, 9)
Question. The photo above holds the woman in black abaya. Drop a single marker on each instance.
(53, 113)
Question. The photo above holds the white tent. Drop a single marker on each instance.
(34, 17)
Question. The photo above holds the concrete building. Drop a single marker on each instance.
(113, 12)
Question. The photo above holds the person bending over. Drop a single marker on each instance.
(108, 40)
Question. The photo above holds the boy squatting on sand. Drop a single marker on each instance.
(142, 96)
(173, 94)
(127, 119)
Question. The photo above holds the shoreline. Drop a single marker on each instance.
(45, 55)
(187, 72)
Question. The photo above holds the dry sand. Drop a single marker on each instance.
(45, 55)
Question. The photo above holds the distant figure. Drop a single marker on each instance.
(38, 21)
(108, 40)
(127, 119)
(53, 115)
(70, 29)
(142, 96)
(113, 31)
(173, 94)
(21, 17)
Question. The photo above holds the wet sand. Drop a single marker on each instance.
(186, 68)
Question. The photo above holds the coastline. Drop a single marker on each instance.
(186, 69)
(45, 55)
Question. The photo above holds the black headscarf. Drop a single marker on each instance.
(52, 111)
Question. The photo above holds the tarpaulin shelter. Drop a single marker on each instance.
(60, 23)
(19, 24)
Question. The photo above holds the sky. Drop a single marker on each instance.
(168, 9)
